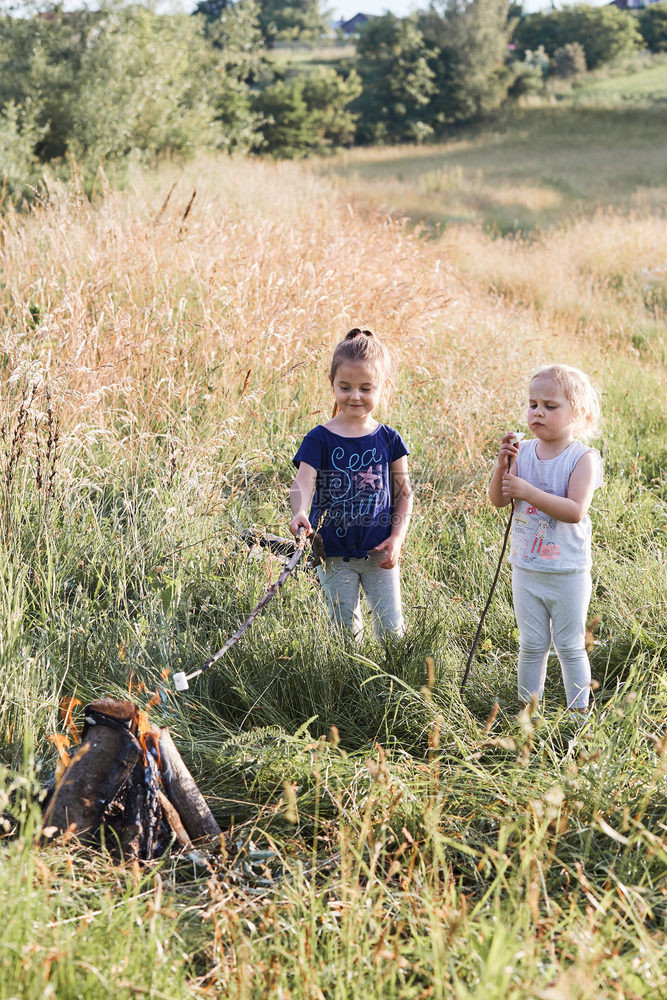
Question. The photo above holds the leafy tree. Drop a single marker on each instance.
(470, 39)
(238, 60)
(40, 61)
(653, 26)
(300, 20)
(397, 81)
(19, 166)
(140, 89)
(106, 85)
(211, 9)
(541, 29)
(309, 114)
(606, 33)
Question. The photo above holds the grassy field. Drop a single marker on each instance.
(159, 368)
(637, 83)
(534, 167)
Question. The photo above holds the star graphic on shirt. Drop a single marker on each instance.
(369, 478)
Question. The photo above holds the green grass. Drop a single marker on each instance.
(529, 168)
(431, 850)
(386, 836)
(636, 84)
(291, 61)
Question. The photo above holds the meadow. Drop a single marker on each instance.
(164, 348)
(583, 146)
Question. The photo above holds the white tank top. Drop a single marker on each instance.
(541, 542)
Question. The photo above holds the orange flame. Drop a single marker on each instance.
(148, 736)
(62, 744)
(155, 700)
(134, 685)
(67, 706)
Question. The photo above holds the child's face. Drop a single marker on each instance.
(550, 415)
(357, 389)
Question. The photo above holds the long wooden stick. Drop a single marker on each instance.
(181, 680)
(517, 437)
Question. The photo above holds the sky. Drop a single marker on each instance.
(348, 8)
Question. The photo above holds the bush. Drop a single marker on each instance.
(569, 60)
(19, 167)
(308, 114)
(101, 86)
(653, 26)
(605, 33)
(528, 79)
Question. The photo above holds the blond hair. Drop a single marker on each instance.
(580, 394)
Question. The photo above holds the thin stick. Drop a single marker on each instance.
(488, 603)
(517, 437)
(273, 589)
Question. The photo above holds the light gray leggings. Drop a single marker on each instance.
(554, 605)
(341, 582)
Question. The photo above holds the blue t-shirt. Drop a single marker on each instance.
(351, 506)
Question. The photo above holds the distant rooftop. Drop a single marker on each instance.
(352, 25)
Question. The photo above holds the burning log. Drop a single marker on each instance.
(140, 829)
(96, 773)
(174, 821)
(182, 790)
(127, 784)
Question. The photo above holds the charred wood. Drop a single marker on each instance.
(95, 775)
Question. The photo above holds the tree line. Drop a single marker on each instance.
(122, 83)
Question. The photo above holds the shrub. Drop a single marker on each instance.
(101, 86)
(19, 167)
(569, 60)
(308, 114)
(653, 26)
(605, 33)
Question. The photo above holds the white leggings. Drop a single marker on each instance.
(554, 605)
(341, 582)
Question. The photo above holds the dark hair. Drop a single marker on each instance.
(361, 346)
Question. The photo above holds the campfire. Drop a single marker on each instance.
(125, 785)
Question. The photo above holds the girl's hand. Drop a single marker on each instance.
(392, 548)
(300, 520)
(513, 487)
(508, 450)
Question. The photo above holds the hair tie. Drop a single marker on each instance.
(358, 332)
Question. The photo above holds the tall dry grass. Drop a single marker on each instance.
(184, 344)
(202, 323)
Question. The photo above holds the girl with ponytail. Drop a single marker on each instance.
(353, 471)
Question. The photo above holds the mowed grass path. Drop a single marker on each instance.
(531, 168)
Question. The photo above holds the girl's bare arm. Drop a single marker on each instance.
(401, 511)
(570, 509)
(300, 497)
